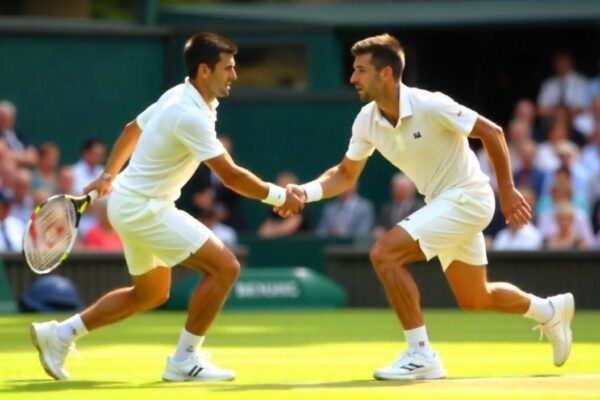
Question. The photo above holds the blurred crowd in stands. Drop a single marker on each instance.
(554, 143)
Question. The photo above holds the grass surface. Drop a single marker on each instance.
(308, 355)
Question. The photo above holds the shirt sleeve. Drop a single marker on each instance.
(144, 117)
(200, 137)
(453, 116)
(360, 146)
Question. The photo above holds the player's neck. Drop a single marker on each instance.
(202, 88)
(388, 104)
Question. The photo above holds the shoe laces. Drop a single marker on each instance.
(546, 329)
(202, 359)
(404, 357)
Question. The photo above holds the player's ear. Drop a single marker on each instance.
(203, 70)
(387, 72)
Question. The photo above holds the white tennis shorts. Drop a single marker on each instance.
(451, 225)
(154, 232)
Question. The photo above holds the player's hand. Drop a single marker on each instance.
(517, 212)
(293, 193)
(102, 186)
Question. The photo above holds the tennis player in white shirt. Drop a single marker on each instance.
(424, 134)
(164, 146)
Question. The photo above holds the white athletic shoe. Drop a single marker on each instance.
(51, 349)
(412, 365)
(197, 367)
(558, 329)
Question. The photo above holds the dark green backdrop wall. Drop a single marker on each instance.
(71, 87)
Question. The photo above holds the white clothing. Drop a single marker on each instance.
(178, 132)
(429, 142)
(527, 237)
(83, 175)
(14, 229)
(450, 225)
(571, 90)
(546, 158)
(225, 233)
(154, 232)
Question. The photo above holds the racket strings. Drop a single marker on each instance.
(50, 234)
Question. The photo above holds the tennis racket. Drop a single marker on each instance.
(52, 229)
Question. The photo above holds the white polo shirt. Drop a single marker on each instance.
(429, 143)
(178, 133)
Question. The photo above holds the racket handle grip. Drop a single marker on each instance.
(93, 195)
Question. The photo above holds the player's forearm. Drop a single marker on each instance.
(335, 181)
(247, 184)
(497, 150)
(123, 148)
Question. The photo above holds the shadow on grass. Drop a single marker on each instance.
(46, 385)
(357, 384)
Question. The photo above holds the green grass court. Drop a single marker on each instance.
(308, 355)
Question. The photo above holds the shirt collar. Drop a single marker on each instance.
(199, 101)
(405, 109)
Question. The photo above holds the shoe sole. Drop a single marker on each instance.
(167, 377)
(568, 312)
(438, 373)
(40, 348)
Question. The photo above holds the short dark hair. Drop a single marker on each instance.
(91, 142)
(385, 51)
(205, 48)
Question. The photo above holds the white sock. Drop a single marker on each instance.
(71, 329)
(418, 340)
(540, 310)
(188, 343)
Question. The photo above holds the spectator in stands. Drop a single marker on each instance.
(40, 195)
(567, 87)
(225, 233)
(22, 150)
(101, 235)
(348, 215)
(567, 236)
(275, 226)
(89, 166)
(590, 154)
(65, 180)
(45, 174)
(8, 166)
(528, 174)
(528, 237)
(569, 166)
(22, 204)
(546, 159)
(404, 202)
(11, 228)
(525, 112)
(228, 204)
(562, 192)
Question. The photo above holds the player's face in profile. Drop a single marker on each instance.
(223, 75)
(365, 78)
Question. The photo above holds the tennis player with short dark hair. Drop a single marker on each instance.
(164, 146)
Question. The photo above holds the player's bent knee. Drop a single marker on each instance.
(229, 271)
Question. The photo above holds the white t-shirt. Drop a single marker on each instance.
(429, 143)
(526, 238)
(178, 133)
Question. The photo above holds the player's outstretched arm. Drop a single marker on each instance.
(332, 182)
(247, 184)
(120, 153)
(514, 207)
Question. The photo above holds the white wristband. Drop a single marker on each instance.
(313, 190)
(276, 196)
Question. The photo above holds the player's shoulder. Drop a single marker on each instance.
(426, 100)
(365, 114)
